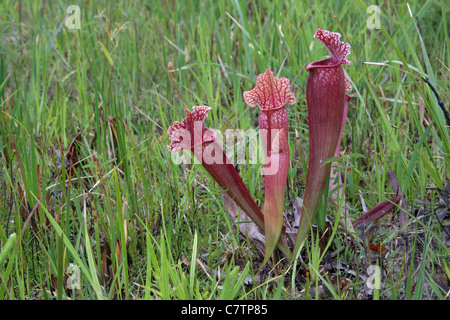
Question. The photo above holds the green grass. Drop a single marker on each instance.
(139, 226)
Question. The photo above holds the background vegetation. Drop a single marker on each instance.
(87, 183)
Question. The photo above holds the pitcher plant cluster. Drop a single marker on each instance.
(327, 103)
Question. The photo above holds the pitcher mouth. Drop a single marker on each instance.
(339, 50)
(330, 62)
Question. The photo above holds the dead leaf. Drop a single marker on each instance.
(376, 212)
(185, 261)
(246, 226)
(395, 185)
(377, 248)
(324, 236)
(292, 219)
